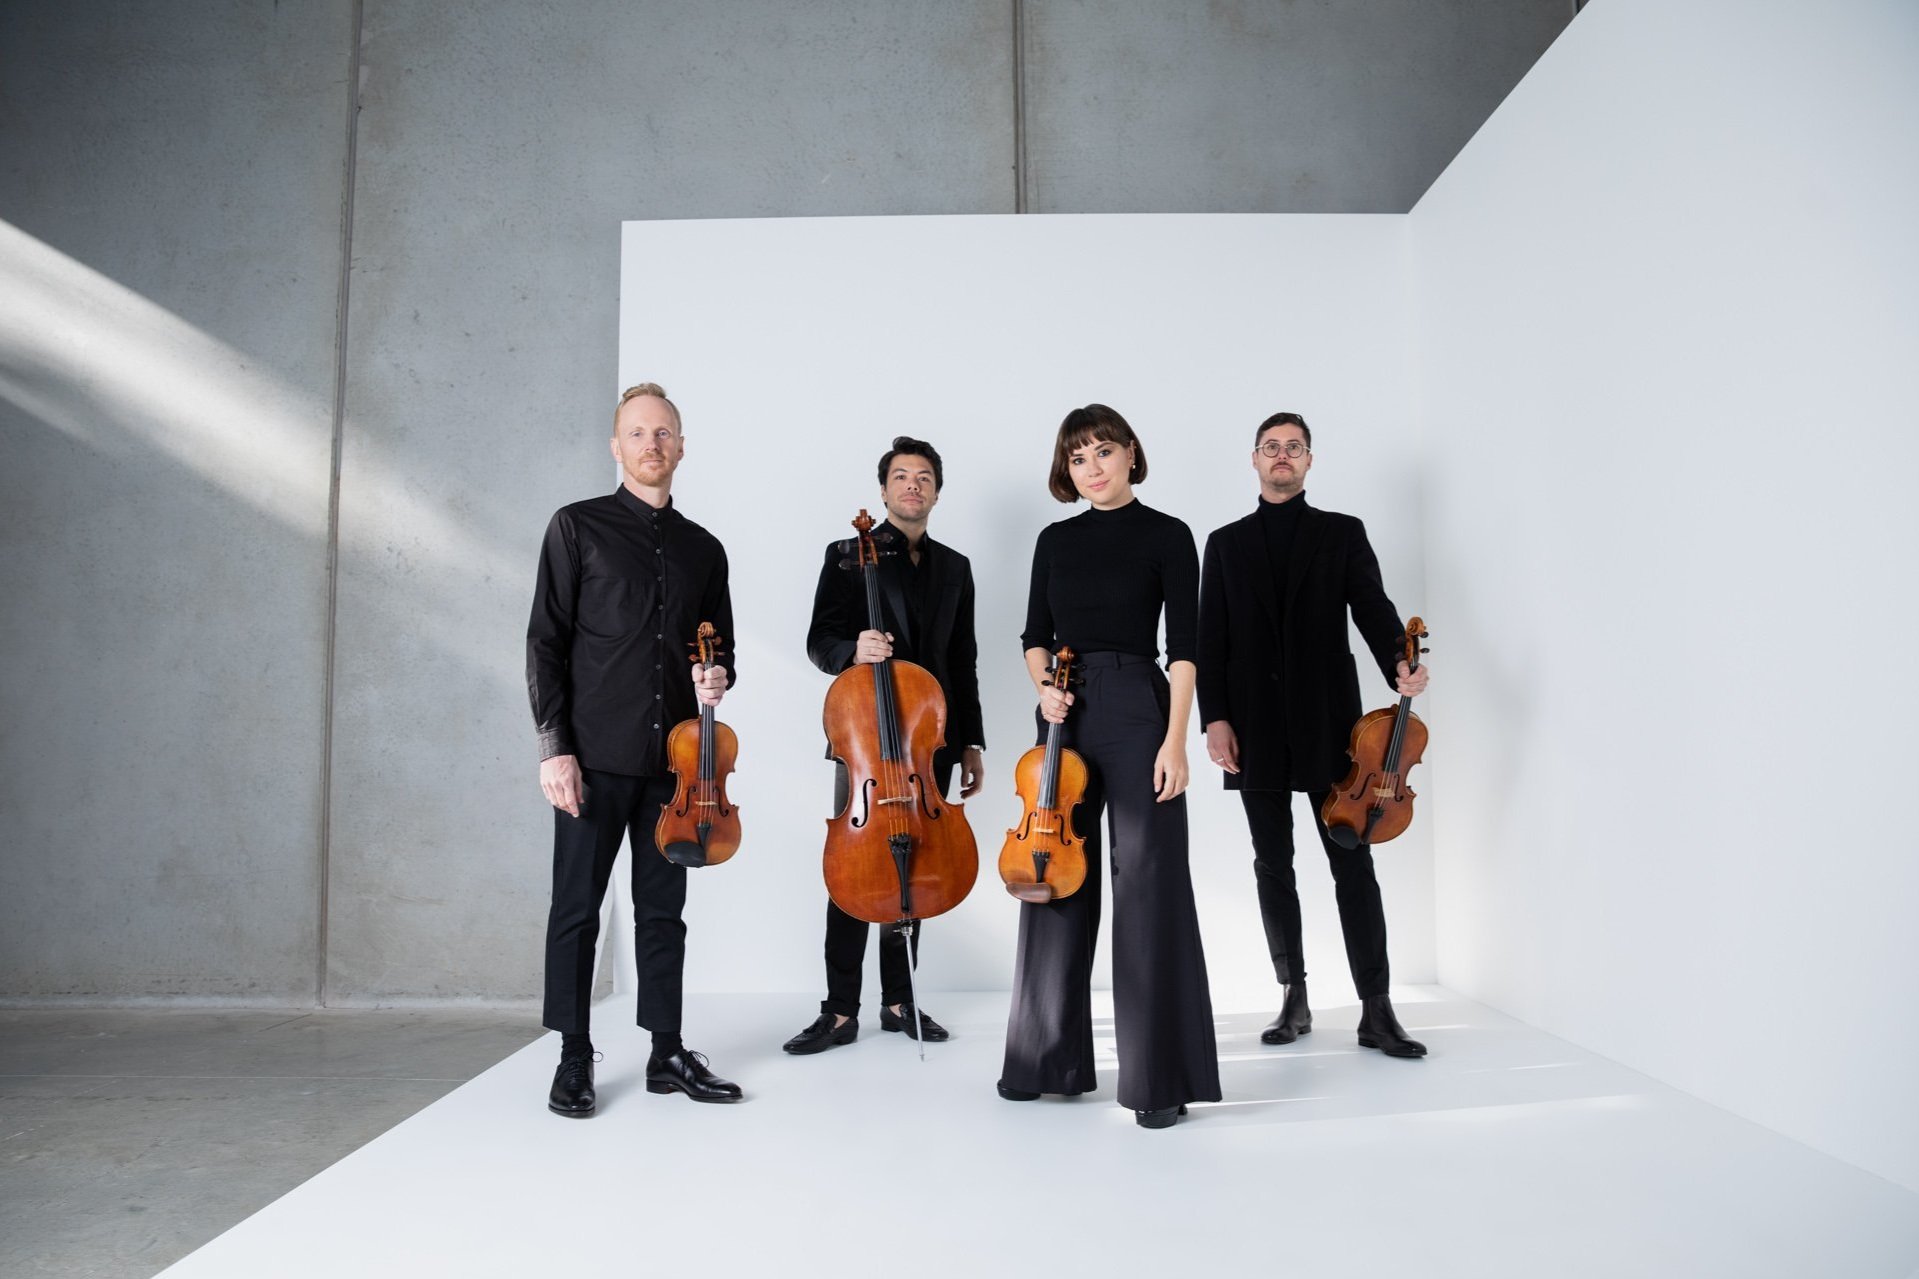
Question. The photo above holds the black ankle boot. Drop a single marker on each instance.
(1378, 1028)
(1295, 1018)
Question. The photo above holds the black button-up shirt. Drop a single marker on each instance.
(621, 593)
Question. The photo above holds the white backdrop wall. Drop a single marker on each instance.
(798, 348)
(1668, 320)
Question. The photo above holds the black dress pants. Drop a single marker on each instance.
(1362, 916)
(1162, 1009)
(584, 847)
(846, 939)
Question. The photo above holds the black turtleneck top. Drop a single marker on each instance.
(1101, 578)
(1278, 521)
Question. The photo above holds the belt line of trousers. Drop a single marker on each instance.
(846, 937)
(1362, 914)
(615, 806)
(1162, 1008)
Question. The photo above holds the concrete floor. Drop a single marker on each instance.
(128, 1138)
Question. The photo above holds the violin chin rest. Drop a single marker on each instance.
(1031, 892)
(684, 852)
(1345, 836)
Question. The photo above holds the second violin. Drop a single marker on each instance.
(1044, 858)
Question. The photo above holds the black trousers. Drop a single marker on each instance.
(1162, 1009)
(584, 847)
(1362, 916)
(846, 938)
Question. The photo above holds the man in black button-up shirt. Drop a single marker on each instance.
(624, 583)
(926, 602)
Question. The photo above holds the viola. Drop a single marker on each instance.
(1044, 858)
(898, 851)
(1374, 803)
(700, 826)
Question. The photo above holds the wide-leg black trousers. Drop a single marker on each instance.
(1162, 1009)
(1362, 915)
(584, 847)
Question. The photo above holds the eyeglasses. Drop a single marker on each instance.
(1291, 448)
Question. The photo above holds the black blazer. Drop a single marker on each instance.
(949, 650)
(1293, 715)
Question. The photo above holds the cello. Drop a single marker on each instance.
(1044, 858)
(898, 851)
(700, 826)
(1374, 804)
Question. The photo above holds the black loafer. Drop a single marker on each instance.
(1015, 1094)
(904, 1020)
(686, 1072)
(823, 1034)
(1158, 1118)
(572, 1093)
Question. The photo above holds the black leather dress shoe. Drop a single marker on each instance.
(572, 1094)
(1378, 1028)
(935, 1033)
(1015, 1094)
(823, 1034)
(1158, 1118)
(686, 1072)
(1295, 1018)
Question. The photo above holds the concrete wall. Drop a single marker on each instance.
(168, 355)
(1669, 388)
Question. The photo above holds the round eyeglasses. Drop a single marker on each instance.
(1291, 448)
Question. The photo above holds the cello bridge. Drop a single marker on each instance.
(898, 799)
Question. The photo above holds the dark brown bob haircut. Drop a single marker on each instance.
(1284, 419)
(1082, 427)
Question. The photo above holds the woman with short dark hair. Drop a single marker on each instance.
(1100, 583)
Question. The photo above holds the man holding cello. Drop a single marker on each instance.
(1279, 694)
(624, 582)
(926, 597)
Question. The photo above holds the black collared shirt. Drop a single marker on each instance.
(622, 590)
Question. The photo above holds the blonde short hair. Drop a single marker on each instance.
(648, 388)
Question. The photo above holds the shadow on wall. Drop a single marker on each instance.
(99, 362)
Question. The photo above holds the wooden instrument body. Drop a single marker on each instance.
(1374, 803)
(893, 801)
(1044, 858)
(696, 800)
(1369, 783)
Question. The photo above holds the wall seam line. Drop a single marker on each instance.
(1020, 201)
(349, 177)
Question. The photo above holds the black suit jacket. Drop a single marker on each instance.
(949, 650)
(1292, 693)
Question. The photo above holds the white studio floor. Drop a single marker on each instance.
(1506, 1152)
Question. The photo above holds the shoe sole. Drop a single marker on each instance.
(653, 1086)
(1365, 1042)
(571, 1114)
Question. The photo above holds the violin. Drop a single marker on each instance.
(1374, 804)
(898, 851)
(1044, 858)
(700, 826)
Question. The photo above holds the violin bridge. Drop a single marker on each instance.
(1382, 792)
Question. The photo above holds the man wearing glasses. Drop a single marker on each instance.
(1279, 693)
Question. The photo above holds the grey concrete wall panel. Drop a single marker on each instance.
(170, 176)
(1263, 106)
(500, 147)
